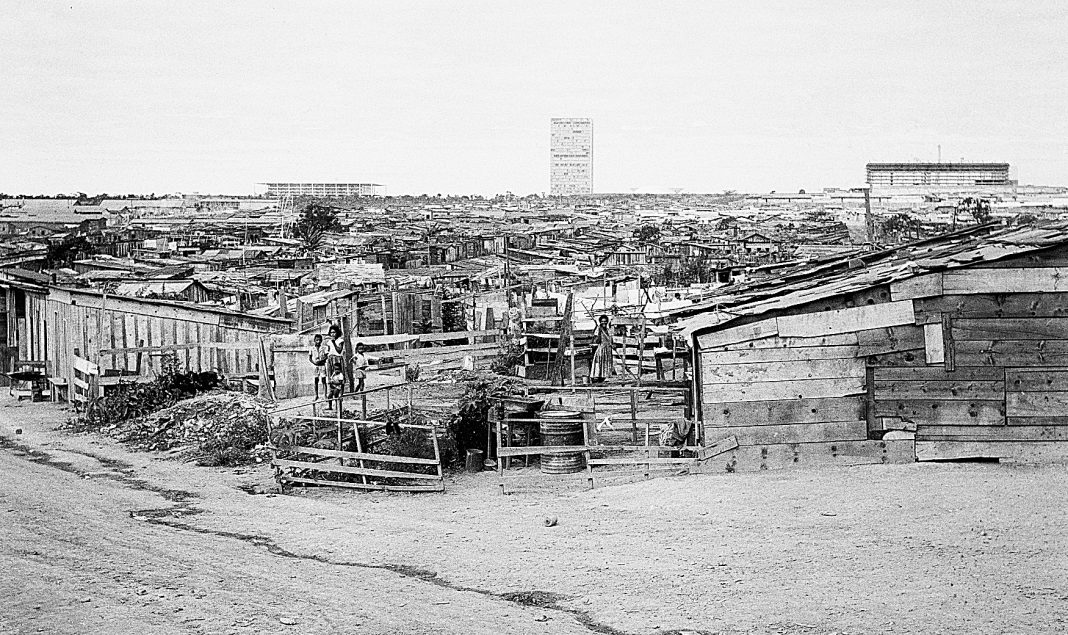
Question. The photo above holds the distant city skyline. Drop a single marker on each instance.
(452, 98)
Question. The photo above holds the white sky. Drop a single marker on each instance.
(456, 97)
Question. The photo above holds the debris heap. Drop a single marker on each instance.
(217, 428)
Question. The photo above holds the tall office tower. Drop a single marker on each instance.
(571, 157)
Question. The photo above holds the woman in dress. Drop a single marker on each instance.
(603, 364)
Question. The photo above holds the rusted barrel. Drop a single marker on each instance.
(557, 432)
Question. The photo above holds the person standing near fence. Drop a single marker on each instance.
(335, 367)
(603, 364)
(317, 356)
(359, 366)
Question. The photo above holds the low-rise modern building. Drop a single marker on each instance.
(937, 174)
(324, 190)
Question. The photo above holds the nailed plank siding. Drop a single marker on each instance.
(841, 339)
(972, 329)
(993, 305)
(753, 413)
(781, 371)
(772, 390)
(919, 287)
(792, 433)
(934, 343)
(992, 433)
(1008, 353)
(763, 355)
(953, 390)
(1031, 450)
(1036, 379)
(944, 412)
(1008, 280)
(738, 334)
(1036, 404)
(889, 340)
(847, 320)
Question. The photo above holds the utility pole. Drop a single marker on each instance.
(869, 220)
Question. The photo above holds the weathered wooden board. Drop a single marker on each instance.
(1036, 379)
(755, 413)
(1020, 450)
(718, 447)
(938, 389)
(736, 334)
(898, 359)
(757, 355)
(847, 320)
(889, 339)
(1009, 353)
(1045, 420)
(1036, 404)
(753, 458)
(1008, 280)
(937, 373)
(768, 390)
(934, 343)
(792, 433)
(840, 339)
(929, 310)
(944, 412)
(918, 287)
(781, 371)
(992, 433)
(972, 329)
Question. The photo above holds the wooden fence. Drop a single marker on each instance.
(301, 464)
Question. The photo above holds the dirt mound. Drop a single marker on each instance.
(217, 428)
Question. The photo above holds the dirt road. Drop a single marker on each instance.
(94, 539)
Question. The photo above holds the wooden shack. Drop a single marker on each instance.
(950, 348)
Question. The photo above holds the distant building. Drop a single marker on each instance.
(324, 190)
(937, 174)
(571, 157)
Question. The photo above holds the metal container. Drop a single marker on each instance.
(557, 432)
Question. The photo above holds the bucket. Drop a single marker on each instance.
(557, 432)
(475, 460)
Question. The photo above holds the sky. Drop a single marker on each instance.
(455, 97)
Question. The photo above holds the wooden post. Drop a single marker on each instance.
(586, 442)
(500, 459)
(340, 434)
(346, 354)
(571, 345)
(634, 414)
(437, 455)
(556, 376)
(359, 444)
(385, 315)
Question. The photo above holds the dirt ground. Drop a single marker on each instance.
(95, 539)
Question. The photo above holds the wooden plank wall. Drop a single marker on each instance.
(995, 381)
(973, 361)
(91, 324)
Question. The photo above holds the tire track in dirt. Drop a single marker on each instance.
(183, 504)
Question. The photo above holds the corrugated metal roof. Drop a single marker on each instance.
(836, 277)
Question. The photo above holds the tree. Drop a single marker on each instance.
(978, 208)
(64, 253)
(315, 221)
(647, 234)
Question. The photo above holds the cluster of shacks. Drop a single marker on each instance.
(950, 348)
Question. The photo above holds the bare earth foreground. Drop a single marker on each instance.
(95, 539)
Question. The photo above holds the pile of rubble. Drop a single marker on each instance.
(217, 428)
